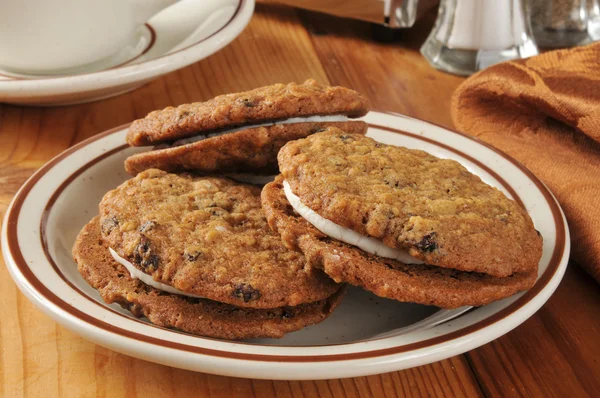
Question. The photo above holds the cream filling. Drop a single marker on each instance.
(346, 235)
(252, 178)
(147, 279)
(305, 119)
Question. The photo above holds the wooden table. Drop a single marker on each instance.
(555, 353)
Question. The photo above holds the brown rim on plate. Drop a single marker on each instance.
(43, 291)
(125, 64)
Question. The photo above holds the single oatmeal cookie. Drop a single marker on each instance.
(432, 208)
(208, 237)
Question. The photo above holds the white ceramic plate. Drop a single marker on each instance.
(180, 35)
(365, 335)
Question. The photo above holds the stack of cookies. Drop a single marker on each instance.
(190, 249)
(187, 245)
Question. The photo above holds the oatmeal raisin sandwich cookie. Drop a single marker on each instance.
(242, 132)
(206, 237)
(399, 222)
(196, 253)
(193, 315)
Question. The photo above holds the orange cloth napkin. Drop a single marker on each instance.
(545, 112)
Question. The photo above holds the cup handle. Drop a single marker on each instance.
(143, 10)
(200, 17)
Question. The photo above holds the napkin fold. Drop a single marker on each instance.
(545, 112)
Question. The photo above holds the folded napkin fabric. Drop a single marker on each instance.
(545, 112)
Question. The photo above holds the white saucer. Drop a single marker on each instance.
(365, 335)
(178, 36)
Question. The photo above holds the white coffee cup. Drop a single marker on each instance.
(53, 35)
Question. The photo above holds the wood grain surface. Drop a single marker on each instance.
(554, 353)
